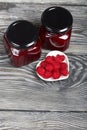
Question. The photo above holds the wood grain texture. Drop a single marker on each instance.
(42, 121)
(29, 103)
(71, 2)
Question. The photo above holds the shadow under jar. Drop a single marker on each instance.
(56, 28)
(22, 43)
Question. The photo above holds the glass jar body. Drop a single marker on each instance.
(21, 57)
(55, 41)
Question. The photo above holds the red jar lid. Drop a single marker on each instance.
(56, 19)
(21, 34)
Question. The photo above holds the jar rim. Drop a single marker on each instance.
(56, 19)
(21, 34)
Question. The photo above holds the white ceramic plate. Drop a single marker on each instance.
(54, 53)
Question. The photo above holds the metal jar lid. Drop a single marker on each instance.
(21, 34)
(56, 19)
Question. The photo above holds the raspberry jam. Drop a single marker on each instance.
(22, 43)
(56, 28)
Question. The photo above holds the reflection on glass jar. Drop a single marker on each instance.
(22, 43)
(56, 28)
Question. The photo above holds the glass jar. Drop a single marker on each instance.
(22, 43)
(56, 28)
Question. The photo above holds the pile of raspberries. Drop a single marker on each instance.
(53, 67)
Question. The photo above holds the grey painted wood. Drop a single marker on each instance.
(27, 102)
(42, 121)
(71, 2)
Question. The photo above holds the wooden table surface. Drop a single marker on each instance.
(27, 102)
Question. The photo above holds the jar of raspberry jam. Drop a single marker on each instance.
(22, 43)
(56, 28)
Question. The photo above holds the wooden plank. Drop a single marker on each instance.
(73, 2)
(42, 121)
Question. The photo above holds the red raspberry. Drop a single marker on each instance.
(64, 72)
(40, 70)
(63, 65)
(49, 59)
(59, 58)
(43, 63)
(47, 75)
(49, 67)
(56, 66)
(56, 75)
(62, 57)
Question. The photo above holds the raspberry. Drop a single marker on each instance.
(40, 70)
(43, 63)
(56, 75)
(64, 72)
(49, 59)
(56, 66)
(63, 65)
(47, 75)
(62, 57)
(59, 58)
(49, 67)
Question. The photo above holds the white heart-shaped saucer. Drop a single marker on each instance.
(54, 53)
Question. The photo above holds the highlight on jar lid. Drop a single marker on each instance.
(21, 34)
(57, 19)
